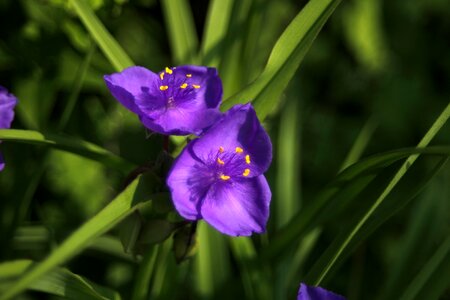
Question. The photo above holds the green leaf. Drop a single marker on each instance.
(432, 280)
(406, 190)
(110, 47)
(182, 36)
(68, 144)
(285, 57)
(349, 182)
(136, 195)
(216, 27)
(60, 282)
(440, 121)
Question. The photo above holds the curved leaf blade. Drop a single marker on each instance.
(285, 58)
(134, 196)
(68, 144)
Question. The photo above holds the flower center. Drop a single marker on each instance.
(231, 164)
(177, 88)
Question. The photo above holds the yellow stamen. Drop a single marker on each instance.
(220, 162)
(247, 159)
(168, 71)
(195, 86)
(221, 149)
(224, 177)
(246, 172)
(163, 87)
(161, 75)
(239, 150)
(183, 86)
(188, 75)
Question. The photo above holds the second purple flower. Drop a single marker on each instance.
(219, 176)
(7, 103)
(180, 101)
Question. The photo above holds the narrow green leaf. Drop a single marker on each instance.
(142, 284)
(182, 35)
(134, 196)
(285, 58)
(440, 121)
(216, 28)
(349, 182)
(59, 282)
(110, 47)
(68, 144)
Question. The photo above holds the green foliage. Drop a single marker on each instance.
(372, 81)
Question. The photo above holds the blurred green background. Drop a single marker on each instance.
(374, 80)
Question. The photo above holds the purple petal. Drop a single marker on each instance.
(188, 121)
(188, 183)
(2, 162)
(131, 82)
(239, 127)
(316, 293)
(7, 104)
(210, 91)
(238, 208)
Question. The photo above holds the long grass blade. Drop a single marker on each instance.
(440, 121)
(134, 196)
(110, 47)
(285, 58)
(68, 144)
(181, 28)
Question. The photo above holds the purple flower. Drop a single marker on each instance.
(218, 177)
(316, 293)
(178, 101)
(7, 104)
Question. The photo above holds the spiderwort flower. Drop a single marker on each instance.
(7, 103)
(179, 101)
(219, 176)
(316, 293)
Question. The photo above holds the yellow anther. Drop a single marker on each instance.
(247, 159)
(195, 86)
(239, 150)
(220, 162)
(183, 86)
(224, 177)
(163, 87)
(168, 71)
(161, 75)
(246, 172)
(221, 149)
(188, 75)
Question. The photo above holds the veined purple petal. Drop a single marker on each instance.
(180, 101)
(218, 177)
(128, 84)
(238, 208)
(239, 131)
(189, 181)
(7, 104)
(316, 293)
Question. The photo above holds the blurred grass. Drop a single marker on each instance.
(372, 81)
